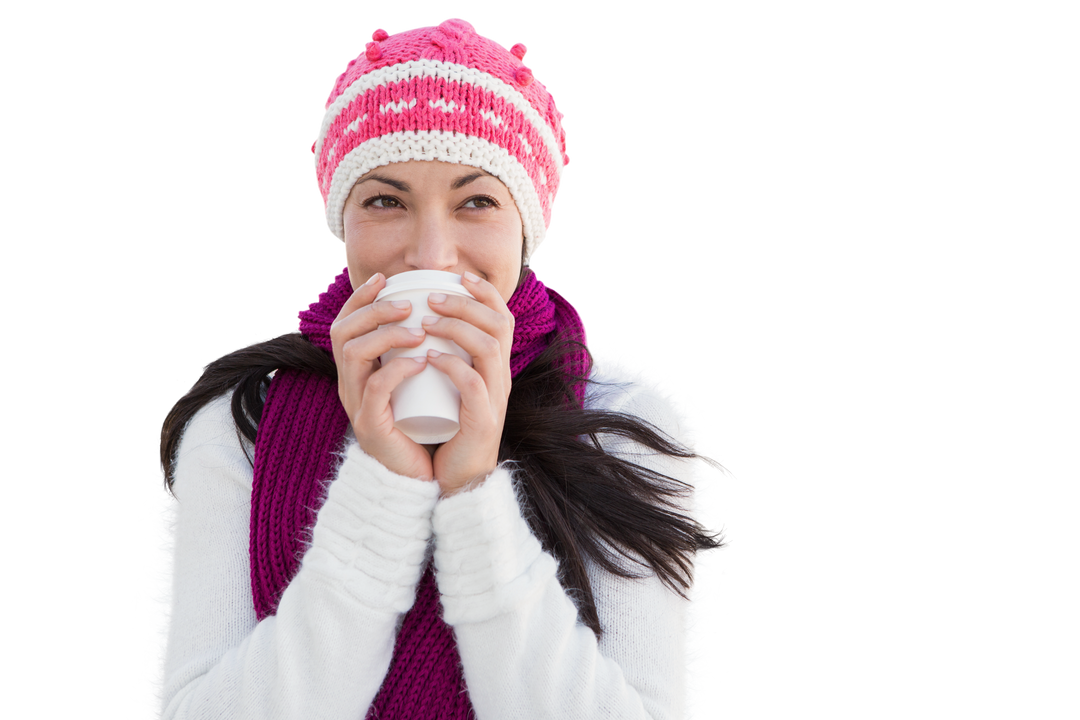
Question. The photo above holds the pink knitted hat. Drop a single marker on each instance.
(443, 93)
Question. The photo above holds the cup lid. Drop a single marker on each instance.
(436, 280)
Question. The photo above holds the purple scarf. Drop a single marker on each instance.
(301, 432)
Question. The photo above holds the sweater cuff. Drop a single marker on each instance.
(372, 532)
(487, 560)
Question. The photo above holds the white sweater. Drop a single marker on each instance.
(326, 651)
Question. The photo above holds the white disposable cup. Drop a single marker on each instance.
(426, 406)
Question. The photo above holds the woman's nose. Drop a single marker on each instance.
(432, 247)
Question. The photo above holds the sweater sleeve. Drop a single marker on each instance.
(524, 652)
(326, 651)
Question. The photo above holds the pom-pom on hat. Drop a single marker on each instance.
(443, 93)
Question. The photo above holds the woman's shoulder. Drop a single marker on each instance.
(211, 445)
(212, 423)
(614, 388)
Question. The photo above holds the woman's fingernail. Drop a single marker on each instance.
(433, 353)
(373, 279)
(420, 358)
(470, 277)
(418, 332)
(400, 304)
(429, 320)
(436, 297)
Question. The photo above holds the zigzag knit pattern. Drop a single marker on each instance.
(296, 449)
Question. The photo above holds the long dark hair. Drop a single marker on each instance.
(582, 503)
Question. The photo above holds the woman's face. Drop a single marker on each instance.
(429, 215)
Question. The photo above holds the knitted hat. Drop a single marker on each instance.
(443, 93)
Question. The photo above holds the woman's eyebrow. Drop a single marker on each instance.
(404, 187)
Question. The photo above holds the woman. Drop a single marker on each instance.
(560, 557)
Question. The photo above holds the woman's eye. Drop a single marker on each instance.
(489, 202)
(382, 198)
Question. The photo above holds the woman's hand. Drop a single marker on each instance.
(364, 384)
(484, 328)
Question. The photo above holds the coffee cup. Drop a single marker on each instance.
(426, 406)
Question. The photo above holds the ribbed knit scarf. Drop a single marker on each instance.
(299, 437)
